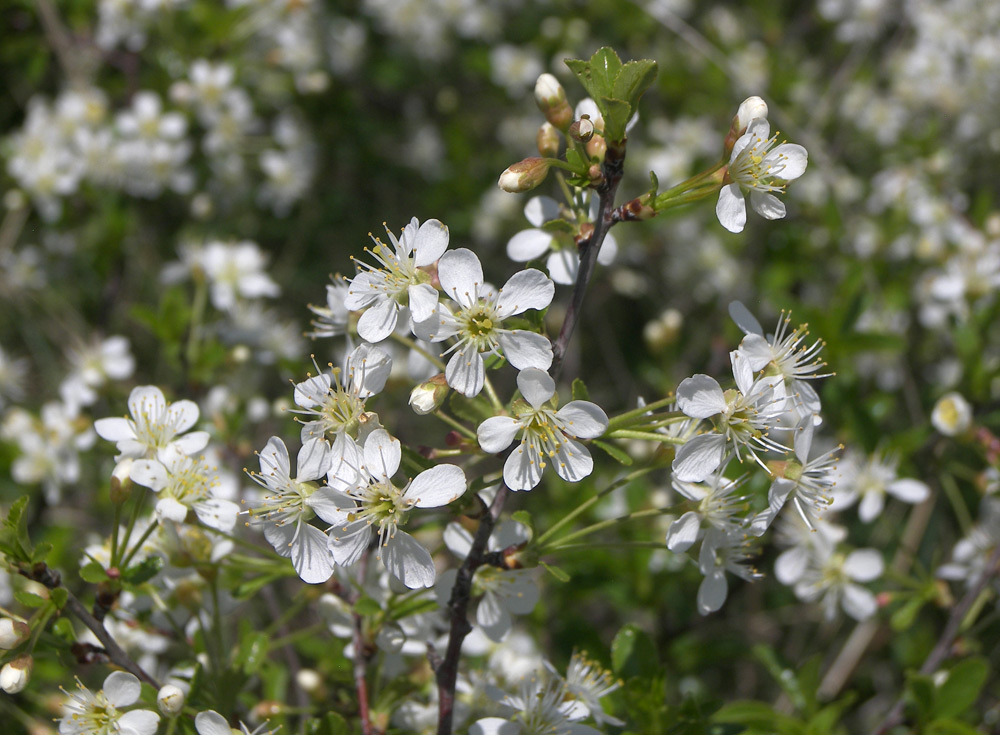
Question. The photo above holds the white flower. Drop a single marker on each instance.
(477, 323)
(545, 434)
(832, 578)
(286, 511)
(717, 506)
(236, 269)
(184, 483)
(588, 682)
(541, 707)
(369, 502)
(91, 365)
(563, 262)
(399, 282)
(331, 320)
(100, 714)
(721, 552)
(211, 722)
(743, 417)
(870, 481)
(154, 426)
(952, 414)
(760, 166)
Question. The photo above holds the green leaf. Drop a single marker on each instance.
(473, 410)
(580, 392)
(904, 616)
(555, 572)
(633, 80)
(961, 689)
(29, 599)
(922, 694)
(14, 541)
(252, 653)
(368, 607)
(758, 715)
(633, 653)
(94, 573)
(413, 606)
(616, 454)
(950, 727)
(330, 724)
(63, 628)
(143, 571)
(616, 113)
(597, 75)
(525, 519)
(41, 552)
(59, 596)
(250, 587)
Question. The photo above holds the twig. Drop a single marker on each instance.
(458, 606)
(360, 657)
(589, 249)
(948, 635)
(60, 41)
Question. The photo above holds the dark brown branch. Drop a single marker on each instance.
(361, 656)
(458, 607)
(948, 636)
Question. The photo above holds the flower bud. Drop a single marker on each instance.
(15, 674)
(551, 99)
(547, 140)
(750, 109)
(429, 395)
(952, 414)
(597, 147)
(170, 700)
(12, 633)
(121, 481)
(595, 174)
(582, 130)
(524, 175)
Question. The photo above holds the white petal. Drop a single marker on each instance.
(149, 473)
(458, 540)
(183, 415)
(312, 391)
(466, 371)
(379, 321)
(563, 266)
(218, 514)
(382, 454)
(147, 400)
(804, 432)
(430, 242)
(138, 722)
(767, 205)
(700, 396)
(712, 592)
(524, 349)
(528, 245)
(791, 565)
(461, 275)
(858, 602)
(864, 565)
(744, 319)
(313, 460)
(274, 460)
(731, 208)
(408, 561)
(347, 543)
(528, 289)
(523, 469)
(311, 555)
(757, 350)
(871, 505)
(583, 419)
(211, 723)
(781, 488)
(191, 443)
(741, 372)
(438, 327)
(114, 429)
(330, 505)
(572, 461)
(540, 210)
(536, 386)
(492, 618)
(122, 688)
(361, 292)
(683, 532)
(496, 433)
(794, 159)
(495, 726)
(171, 509)
(609, 250)
(368, 367)
(909, 491)
(423, 299)
(699, 457)
(437, 486)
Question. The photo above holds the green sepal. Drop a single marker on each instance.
(93, 572)
(614, 452)
(30, 599)
(368, 607)
(143, 571)
(556, 572)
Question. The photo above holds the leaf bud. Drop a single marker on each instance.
(12, 633)
(547, 140)
(15, 674)
(582, 130)
(429, 395)
(551, 99)
(524, 175)
(121, 481)
(170, 700)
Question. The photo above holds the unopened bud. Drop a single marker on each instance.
(170, 700)
(551, 99)
(582, 130)
(597, 146)
(309, 680)
(952, 414)
(548, 140)
(121, 481)
(594, 174)
(15, 674)
(524, 175)
(429, 395)
(12, 633)
(750, 109)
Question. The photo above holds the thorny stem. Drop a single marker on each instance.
(458, 606)
(361, 657)
(948, 635)
(589, 249)
(50, 578)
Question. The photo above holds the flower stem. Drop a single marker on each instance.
(456, 425)
(644, 435)
(636, 414)
(407, 342)
(602, 525)
(492, 395)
